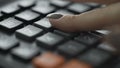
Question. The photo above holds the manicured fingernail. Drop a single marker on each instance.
(54, 16)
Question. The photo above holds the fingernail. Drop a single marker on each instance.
(54, 16)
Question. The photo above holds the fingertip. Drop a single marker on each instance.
(62, 24)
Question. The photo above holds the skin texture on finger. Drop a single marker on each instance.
(92, 20)
(114, 37)
(98, 1)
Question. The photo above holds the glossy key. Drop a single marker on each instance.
(43, 9)
(78, 8)
(93, 5)
(71, 48)
(28, 33)
(88, 39)
(10, 9)
(26, 3)
(95, 57)
(49, 40)
(7, 42)
(11, 24)
(25, 53)
(65, 34)
(27, 16)
(76, 64)
(60, 3)
(43, 23)
(65, 12)
(48, 60)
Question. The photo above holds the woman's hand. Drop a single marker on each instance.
(96, 19)
(92, 20)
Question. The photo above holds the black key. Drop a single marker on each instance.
(10, 9)
(27, 16)
(28, 33)
(43, 9)
(65, 12)
(26, 3)
(66, 34)
(107, 47)
(104, 32)
(60, 3)
(7, 43)
(78, 8)
(95, 57)
(88, 38)
(25, 53)
(93, 5)
(11, 24)
(49, 40)
(71, 48)
(44, 23)
(6, 62)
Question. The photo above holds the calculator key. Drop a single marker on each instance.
(104, 32)
(107, 47)
(48, 60)
(78, 8)
(88, 39)
(93, 5)
(71, 48)
(26, 3)
(60, 3)
(95, 57)
(65, 12)
(25, 53)
(7, 43)
(11, 24)
(28, 33)
(10, 9)
(65, 34)
(76, 64)
(43, 23)
(27, 16)
(43, 9)
(49, 40)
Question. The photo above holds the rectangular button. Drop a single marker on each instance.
(27, 16)
(60, 3)
(71, 48)
(79, 8)
(88, 39)
(43, 23)
(11, 24)
(26, 3)
(7, 42)
(49, 40)
(65, 34)
(28, 33)
(48, 60)
(25, 53)
(10, 9)
(43, 9)
(95, 57)
(65, 12)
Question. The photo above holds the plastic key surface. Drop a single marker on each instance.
(28, 33)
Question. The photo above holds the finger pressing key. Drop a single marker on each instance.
(48, 60)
